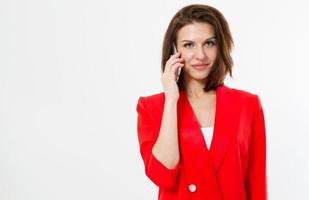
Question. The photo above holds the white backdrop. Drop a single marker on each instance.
(71, 73)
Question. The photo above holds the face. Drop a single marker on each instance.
(198, 47)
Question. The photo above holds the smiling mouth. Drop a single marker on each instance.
(200, 66)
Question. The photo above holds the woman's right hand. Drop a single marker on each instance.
(169, 76)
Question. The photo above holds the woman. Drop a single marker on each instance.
(200, 139)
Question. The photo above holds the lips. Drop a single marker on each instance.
(200, 66)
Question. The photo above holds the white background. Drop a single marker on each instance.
(71, 73)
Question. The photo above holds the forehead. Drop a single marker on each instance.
(195, 31)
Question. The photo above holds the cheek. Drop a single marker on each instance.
(188, 56)
(213, 54)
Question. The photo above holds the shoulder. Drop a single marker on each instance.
(240, 96)
(239, 92)
(153, 97)
(154, 101)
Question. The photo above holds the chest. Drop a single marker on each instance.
(204, 111)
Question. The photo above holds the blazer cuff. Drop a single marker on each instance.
(160, 174)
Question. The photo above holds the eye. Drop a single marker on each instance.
(188, 45)
(210, 43)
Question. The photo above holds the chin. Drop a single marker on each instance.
(199, 76)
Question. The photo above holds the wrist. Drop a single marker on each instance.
(171, 101)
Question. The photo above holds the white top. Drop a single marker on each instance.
(208, 133)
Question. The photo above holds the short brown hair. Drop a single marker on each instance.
(202, 13)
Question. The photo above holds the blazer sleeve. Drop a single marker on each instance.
(256, 182)
(147, 136)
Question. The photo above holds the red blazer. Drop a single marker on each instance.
(234, 168)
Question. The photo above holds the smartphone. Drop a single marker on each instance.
(179, 69)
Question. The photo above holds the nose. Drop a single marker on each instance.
(200, 53)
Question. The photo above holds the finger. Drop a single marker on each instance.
(173, 61)
(175, 67)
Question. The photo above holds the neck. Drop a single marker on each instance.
(194, 88)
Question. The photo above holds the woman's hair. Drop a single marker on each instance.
(207, 14)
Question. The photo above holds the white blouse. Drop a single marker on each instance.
(208, 133)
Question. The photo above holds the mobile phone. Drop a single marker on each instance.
(179, 69)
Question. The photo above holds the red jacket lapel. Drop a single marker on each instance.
(191, 133)
(223, 127)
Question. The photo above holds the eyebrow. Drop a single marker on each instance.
(214, 37)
